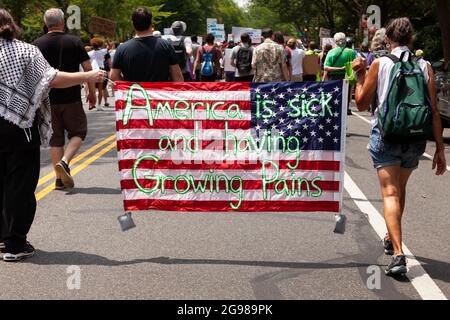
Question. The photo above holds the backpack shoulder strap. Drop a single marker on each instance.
(337, 58)
(394, 58)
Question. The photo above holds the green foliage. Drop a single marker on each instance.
(344, 15)
(288, 16)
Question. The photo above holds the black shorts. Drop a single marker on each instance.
(68, 117)
(212, 78)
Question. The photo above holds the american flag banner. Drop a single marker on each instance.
(240, 147)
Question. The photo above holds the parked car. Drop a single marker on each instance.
(442, 77)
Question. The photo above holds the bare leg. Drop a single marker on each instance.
(405, 174)
(391, 191)
(100, 95)
(106, 94)
(72, 148)
(56, 155)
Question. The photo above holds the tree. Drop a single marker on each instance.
(443, 12)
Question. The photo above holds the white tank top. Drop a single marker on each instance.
(384, 72)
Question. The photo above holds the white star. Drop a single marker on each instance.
(257, 139)
(257, 90)
(320, 140)
(320, 89)
(297, 96)
(329, 95)
(274, 90)
(336, 127)
(290, 126)
(321, 126)
(258, 127)
(305, 139)
(337, 89)
(297, 121)
(281, 133)
(289, 90)
(266, 121)
(266, 96)
(282, 108)
(297, 133)
(305, 89)
(313, 133)
(282, 121)
(313, 95)
(328, 120)
(281, 96)
(274, 127)
(328, 133)
(313, 120)
(305, 126)
(336, 114)
(336, 101)
(336, 140)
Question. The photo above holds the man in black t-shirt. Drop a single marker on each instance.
(65, 52)
(145, 58)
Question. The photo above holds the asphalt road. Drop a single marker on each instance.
(225, 256)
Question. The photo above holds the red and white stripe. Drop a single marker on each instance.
(139, 138)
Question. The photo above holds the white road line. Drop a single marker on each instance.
(362, 118)
(419, 278)
(426, 155)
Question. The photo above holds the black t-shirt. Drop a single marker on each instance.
(64, 52)
(145, 59)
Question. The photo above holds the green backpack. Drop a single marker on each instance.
(406, 115)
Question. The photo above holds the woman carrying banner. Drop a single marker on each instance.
(25, 80)
(396, 161)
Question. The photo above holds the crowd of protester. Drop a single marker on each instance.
(61, 62)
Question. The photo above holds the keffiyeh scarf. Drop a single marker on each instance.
(25, 77)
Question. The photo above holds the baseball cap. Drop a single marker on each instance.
(179, 27)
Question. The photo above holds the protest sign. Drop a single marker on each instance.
(218, 147)
(168, 31)
(218, 30)
(102, 26)
(324, 33)
(255, 34)
(325, 41)
(211, 21)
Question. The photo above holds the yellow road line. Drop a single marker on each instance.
(44, 192)
(78, 158)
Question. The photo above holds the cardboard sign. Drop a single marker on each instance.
(102, 26)
(324, 33)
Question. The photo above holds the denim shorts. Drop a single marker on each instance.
(386, 154)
